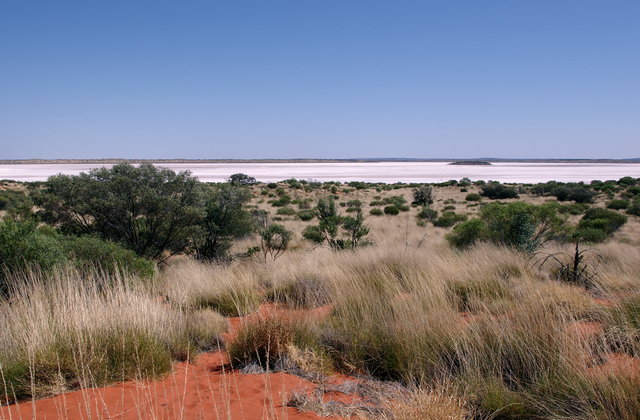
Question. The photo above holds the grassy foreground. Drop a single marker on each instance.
(498, 337)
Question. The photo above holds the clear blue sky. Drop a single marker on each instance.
(319, 78)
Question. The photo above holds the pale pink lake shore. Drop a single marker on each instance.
(388, 172)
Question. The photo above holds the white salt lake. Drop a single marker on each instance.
(389, 172)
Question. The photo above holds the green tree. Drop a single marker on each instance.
(147, 209)
(224, 219)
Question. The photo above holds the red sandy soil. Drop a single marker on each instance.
(206, 389)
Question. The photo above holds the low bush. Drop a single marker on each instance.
(448, 219)
(607, 221)
(618, 204)
(468, 233)
(391, 210)
(427, 214)
(88, 253)
(313, 234)
(473, 197)
(376, 212)
(306, 215)
(496, 191)
(286, 211)
(634, 208)
(23, 246)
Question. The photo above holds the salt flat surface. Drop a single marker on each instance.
(388, 172)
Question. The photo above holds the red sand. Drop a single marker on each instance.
(206, 389)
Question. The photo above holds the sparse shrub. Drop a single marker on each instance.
(618, 204)
(275, 240)
(286, 211)
(448, 219)
(607, 221)
(376, 212)
(577, 193)
(520, 225)
(473, 197)
(391, 210)
(23, 246)
(427, 213)
(284, 200)
(496, 191)
(313, 234)
(89, 253)
(423, 196)
(306, 215)
(634, 208)
(240, 179)
(355, 229)
(468, 233)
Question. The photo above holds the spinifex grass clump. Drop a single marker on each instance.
(231, 291)
(65, 331)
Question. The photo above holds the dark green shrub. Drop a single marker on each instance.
(427, 214)
(88, 253)
(634, 208)
(395, 200)
(272, 185)
(241, 179)
(376, 212)
(306, 215)
(448, 219)
(468, 233)
(473, 197)
(496, 191)
(606, 220)
(284, 200)
(574, 208)
(520, 225)
(627, 180)
(618, 204)
(391, 210)
(577, 193)
(286, 211)
(313, 234)
(23, 246)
